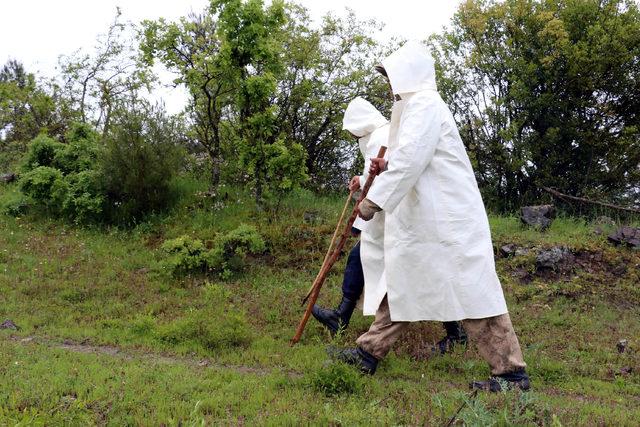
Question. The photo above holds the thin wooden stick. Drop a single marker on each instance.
(560, 195)
(333, 241)
(317, 284)
(472, 395)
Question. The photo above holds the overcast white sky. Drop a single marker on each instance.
(36, 32)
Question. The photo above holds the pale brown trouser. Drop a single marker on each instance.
(494, 336)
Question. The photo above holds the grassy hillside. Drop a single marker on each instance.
(108, 337)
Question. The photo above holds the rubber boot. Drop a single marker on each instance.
(364, 361)
(515, 380)
(337, 319)
(455, 336)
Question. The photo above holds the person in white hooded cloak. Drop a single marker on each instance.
(365, 262)
(438, 254)
(364, 122)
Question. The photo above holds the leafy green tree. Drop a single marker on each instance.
(546, 93)
(27, 107)
(251, 46)
(326, 67)
(191, 49)
(96, 84)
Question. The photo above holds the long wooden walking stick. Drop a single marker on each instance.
(333, 241)
(326, 266)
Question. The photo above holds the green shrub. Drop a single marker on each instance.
(140, 160)
(85, 200)
(81, 151)
(244, 239)
(186, 254)
(63, 177)
(14, 204)
(46, 186)
(337, 378)
(88, 183)
(231, 249)
(42, 152)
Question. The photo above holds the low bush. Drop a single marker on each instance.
(62, 178)
(85, 200)
(186, 255)
(46, 186)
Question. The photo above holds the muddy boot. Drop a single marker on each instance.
(364, 361)
(337, 319)
(515, 380)
(455, 336)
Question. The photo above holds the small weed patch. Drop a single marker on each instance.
(337, 378)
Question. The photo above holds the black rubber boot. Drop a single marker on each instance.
(337, 319)
(455, 336)
(366, 362)
(515, 380)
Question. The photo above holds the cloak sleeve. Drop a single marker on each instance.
(418, 136)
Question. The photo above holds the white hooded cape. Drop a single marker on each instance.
(363, 120)
(438, 255)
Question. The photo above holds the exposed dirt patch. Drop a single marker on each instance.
(587, 261)
(160, 358)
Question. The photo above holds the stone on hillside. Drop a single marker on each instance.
(508, 250)
(556, 258)
(628, 236)
(8, 177)
(8, 324)
(511, 249)
(604, 220)
(539, 217)
(622, 346)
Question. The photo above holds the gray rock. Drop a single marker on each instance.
(628, 236)
(8, 177)
(8, 324)
(508, 250)
(511, 249)
(556, 258)
(622, 346)
(539, 217)
(604, 220)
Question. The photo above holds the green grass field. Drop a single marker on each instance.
(107, 337)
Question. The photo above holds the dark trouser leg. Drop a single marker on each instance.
(352, 286)
(454, 329)
(353, 279)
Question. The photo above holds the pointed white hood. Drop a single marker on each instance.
(410, 69)
(361, 118)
